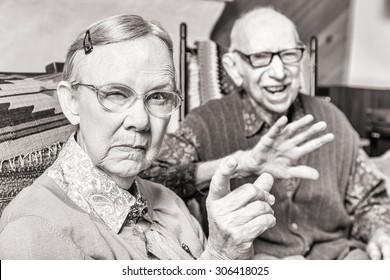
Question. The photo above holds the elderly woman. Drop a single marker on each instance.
(119, 90)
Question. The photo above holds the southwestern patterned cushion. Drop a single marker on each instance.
(32, 130)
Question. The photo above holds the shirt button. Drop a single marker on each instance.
(294, 226)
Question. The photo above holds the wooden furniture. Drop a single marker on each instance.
(379, 131)
(358, 104)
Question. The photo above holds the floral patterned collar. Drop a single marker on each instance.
(255, 117)
(94, 191)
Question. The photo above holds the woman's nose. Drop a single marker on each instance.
(137, 116)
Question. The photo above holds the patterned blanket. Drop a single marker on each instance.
(32, 130)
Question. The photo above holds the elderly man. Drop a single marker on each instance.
(330, 217)
(119, 90)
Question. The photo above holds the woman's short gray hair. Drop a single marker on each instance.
(112, 30)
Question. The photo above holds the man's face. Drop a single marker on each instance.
(274, 87)
(123, 144)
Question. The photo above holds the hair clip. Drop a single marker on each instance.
(87, 43)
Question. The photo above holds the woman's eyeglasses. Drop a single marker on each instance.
(118, 98)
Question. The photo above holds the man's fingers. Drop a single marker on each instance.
(278, 126)
(304, 172)
(295, 126)
(308, 133)
(278, 129)
(268, 139)
(220, 183)
(314, 144)
(264, 182)
(277, 171)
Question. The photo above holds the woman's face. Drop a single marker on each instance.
(123, 144)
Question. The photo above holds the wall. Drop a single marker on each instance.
(34, 33)
(326, 19)
(369, 60)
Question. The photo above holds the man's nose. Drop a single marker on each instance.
(277, 69)
(137, 117)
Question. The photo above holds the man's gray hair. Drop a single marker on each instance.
(115, 29)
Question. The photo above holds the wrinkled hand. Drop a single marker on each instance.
(378, 246)
(281, 147)
(237, 217)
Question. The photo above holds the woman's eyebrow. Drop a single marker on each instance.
(165, 82)
(169, 86)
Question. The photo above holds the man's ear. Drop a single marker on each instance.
(69, 102)
(230, 66)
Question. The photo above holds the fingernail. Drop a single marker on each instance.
(271, 199)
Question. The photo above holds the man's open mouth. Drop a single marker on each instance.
(275, 89)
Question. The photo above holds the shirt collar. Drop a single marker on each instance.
(255, 116)
(94, 191)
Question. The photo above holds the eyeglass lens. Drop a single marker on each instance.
(119, 98)
(287, 56)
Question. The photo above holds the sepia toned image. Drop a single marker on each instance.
(195, 130)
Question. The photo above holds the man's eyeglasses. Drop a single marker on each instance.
(118, 98)
(262, 59)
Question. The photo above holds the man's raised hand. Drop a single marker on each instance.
(281, 147)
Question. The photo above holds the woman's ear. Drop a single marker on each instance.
(69, 102)
(230, 66)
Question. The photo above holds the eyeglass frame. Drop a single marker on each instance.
(96, 89)
(247, 57)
